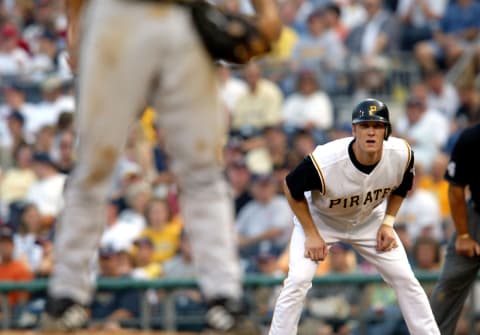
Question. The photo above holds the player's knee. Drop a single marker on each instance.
(299, 281)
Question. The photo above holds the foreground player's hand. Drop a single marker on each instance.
(467, 247)
(315, 248)
(386, 238)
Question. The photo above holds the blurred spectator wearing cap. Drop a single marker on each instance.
(457, 31)
(12, 269)
(239, 176)
(55, 100)
(425, 129)
(64, 148)
(419, 20)
(163, 229)
(137, 195)
(45, 58)
(117, 233)
(29, 230)
(14, 137)
(260, 106)
(14, 101)
(47, 191)
(309, 107)
(303, 143)
(265, 222)
(321, 47)
(145, 265)
(17, 180)
(110, 307)
(14, 60)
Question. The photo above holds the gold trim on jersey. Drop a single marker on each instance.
(319, 170)
(409, 155)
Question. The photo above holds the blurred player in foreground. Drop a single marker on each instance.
(132, 53)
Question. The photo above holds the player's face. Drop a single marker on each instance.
(369, 135)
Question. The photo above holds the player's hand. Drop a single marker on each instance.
(315, 248)
(467, 247)
(386, 238)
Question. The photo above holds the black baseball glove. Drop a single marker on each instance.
(233, 38)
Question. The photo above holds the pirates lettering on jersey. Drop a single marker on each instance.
(354, 200)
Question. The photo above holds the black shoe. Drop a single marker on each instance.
(226, 316)
(63, 315)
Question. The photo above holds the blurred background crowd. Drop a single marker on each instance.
(421, 57)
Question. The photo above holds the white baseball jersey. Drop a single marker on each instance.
(349, 197)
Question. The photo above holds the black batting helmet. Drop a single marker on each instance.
(372, 110)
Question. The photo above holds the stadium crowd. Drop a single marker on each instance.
(329, 56)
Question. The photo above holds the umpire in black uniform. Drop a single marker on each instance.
(462, 260)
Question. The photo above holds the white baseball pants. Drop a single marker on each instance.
(131, 51)
(393, 266)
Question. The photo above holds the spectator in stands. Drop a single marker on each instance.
(333, 14)
(163, 229)
(260, 106)
(231, 88)
(29, 229)
(47, 192)
(45, 59)
(276, 143)
(370, 43)
(309, 108)
(17, 180)
(458, 29)
(54, 101)
(144, 260)
(303, 143)
(14, 137)
(442, 95)
(110, 308)
(321, 46)
(117, 233)
(428, 254)
(137, 196)
(353, 13)
(239, 176)
(426, 130)
(14, 60)
(12, 269)
(420, 212)
(65, 160)
(44, 138)
(419, 20)
(435, 183)
(14, 105)
(265, 222)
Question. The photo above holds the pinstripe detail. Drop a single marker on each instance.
(319, 170)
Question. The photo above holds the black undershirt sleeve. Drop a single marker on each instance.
(407, 181)
(303, 178)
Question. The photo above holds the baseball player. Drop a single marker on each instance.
(133, 52)
(350, 190)
(462, 260)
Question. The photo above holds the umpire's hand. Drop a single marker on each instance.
(467, 247)
(315, 248)
(386, 238)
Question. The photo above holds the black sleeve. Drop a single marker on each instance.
(458, 170)
(406, 184)
(303, 178)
